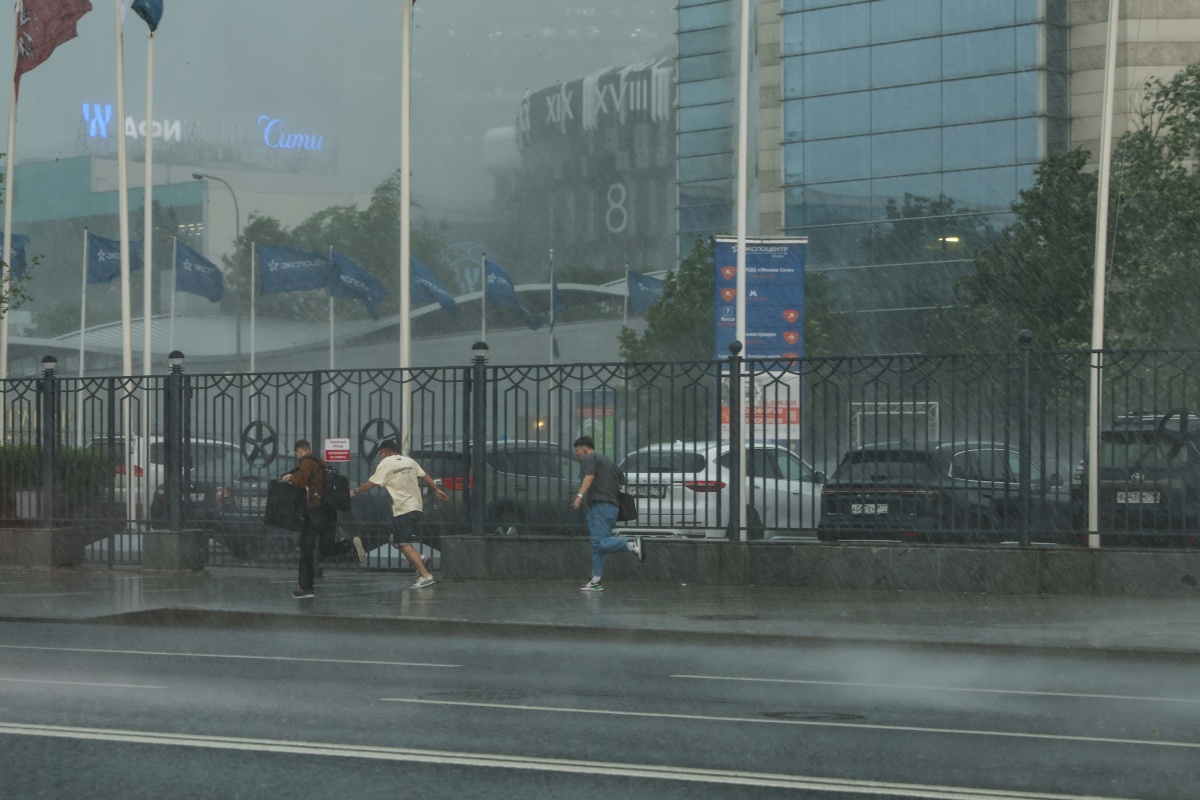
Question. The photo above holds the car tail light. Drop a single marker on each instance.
(222, 493)
(138, 472)
(704, 486)
(457, 484)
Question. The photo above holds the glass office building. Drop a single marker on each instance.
(937, 110)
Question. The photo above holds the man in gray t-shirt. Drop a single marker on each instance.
(601, 483)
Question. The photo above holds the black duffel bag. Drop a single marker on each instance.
(286, 506)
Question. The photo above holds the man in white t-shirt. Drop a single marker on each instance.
(399, 475)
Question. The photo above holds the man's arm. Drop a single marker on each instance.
(365, 487)
(583, 488)
(439, 491)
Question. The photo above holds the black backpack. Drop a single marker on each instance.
(337, 487)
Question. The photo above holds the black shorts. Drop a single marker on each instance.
(404, 528)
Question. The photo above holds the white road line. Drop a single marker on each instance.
(20, 595)
(559, 765)
(804, 722)
(79, 683)
(916, 687)
(228, 655)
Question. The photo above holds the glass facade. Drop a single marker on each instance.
(903, 108)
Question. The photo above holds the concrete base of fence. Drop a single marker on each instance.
(841, 567)
(175, 550)
(41, 548)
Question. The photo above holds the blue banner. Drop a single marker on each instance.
(499, 289)
(287, 269)
(195, 274)
(426, 288)
(643, 290)
(556, 300)
(150, 11)
(104, 258)
(774, 297)
(354, 281)
(16, 258)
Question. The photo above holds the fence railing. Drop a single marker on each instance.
(118, 458)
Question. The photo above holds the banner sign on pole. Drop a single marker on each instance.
(337, 450)
(774, 296)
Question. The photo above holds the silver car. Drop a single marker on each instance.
(682, 489)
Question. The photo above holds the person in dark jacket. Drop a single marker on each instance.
(601, 482)
(320, 520)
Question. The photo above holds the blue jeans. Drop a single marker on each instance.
(600, 520)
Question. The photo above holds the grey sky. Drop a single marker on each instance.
(337, 74)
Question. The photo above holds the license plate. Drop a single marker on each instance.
(650, 490)
(197, 497)
(868, 509)
(1137, 498)
(252, 502)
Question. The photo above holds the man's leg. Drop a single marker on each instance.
(404, 533)
(600, 519)
(308, 540)
(414, 558)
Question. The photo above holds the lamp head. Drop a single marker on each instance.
(479, 350)
(49, 363)
(198, 175)
(175, 359)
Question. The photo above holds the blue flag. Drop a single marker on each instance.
(426, 288)
(644, 292)
(196, 274)
(104, 258)
(149, 10)
(498, 289)
(556, 301)
(286, 269)
(16, 259)
(354, 281)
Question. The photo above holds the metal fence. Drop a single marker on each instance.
(120, 458)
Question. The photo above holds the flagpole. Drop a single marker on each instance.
(743, 148)
(483, 298)
(331, 317)
(174, 289)
(552, 298)
(6, 282)
(253, 303)
(82, 328)
(405, 212)
(625, 313)
(148, 225)
(123, 199)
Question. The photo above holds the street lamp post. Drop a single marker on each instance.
(237, 220)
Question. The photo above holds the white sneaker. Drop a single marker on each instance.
(421, 583)
(358, 548)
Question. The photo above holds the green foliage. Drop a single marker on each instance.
(679, 327)
(82, 476)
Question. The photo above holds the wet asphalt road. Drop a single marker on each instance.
(130, 712)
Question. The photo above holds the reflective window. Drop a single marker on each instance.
(718, 115)
(793, 164)
(893, 20)
(983, 145)
(826, 73)
(1027, 101)
(793, 120)
(712, 15)
(837, 28)
(705, 193)
(979, 99)
(837, 115)
(838, 159)
(906, 152)
(700, 68)
(1027, 47)
(985, 53)
(706, 142)
(982, 188)
(793, 34)
(906, 62)
(958, 16)
(885, 189)
(700, 93)
(1028, 140)
(717, 218)
(703, 168)
(906, 107)
(715, 40)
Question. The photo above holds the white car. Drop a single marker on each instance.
(146, 459)
(682, 489)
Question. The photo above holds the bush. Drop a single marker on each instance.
(83, 478)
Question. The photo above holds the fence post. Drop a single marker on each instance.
(318, 442)
(736, 529)
(48, 419)
(1025, 445)
(478, 446)
(173, 435)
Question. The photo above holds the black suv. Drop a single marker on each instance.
(1150, 478)
(528, 489)
(947, 491)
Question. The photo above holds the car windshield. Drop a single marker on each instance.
(663, 461)
(1141, 450)
(885, 465)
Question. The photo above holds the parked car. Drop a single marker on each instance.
(528, 488)
(1149, 479)
(682, 489)
(147, 459)
(947, 491)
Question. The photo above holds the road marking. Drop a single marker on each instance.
(559, 765)
(79, 683)
(228, 655)
(805, 722)
(916, 687)
(19, 595)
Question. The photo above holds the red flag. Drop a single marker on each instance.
(43, 25)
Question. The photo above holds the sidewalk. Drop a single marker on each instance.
(370, 600)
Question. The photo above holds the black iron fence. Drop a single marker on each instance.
(961, 447)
